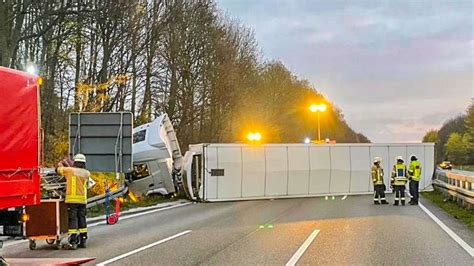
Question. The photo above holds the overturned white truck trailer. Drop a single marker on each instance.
(225, 172)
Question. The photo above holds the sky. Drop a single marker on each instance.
(395, 68)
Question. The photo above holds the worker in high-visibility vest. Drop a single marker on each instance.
(377, 179)
(414, 174)
(77, 178)
(399, 180)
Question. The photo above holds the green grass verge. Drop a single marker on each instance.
(128, 204)
(464, 167)
(458, 212)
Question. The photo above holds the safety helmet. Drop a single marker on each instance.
(80, 158)
(413, 157)
(377, 160)
(399, 158)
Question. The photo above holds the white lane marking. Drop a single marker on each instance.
(345, 197)
(140, 214)
(9, 243)
(303, 248)
(13, 242)
(450, 232)
(135, 251)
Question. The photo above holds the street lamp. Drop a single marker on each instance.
(318, 108)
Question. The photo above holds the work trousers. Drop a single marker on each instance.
(379, 192)
(399, 192)
(77, 219)
(414, 190)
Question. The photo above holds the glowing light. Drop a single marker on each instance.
(254, 136)
(25, 217)
(250, 136)
(30, 68)
(307, 140)
(318, 108)
(257, 136)
(40, 81)
(322, 107)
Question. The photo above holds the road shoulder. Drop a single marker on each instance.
(454, 224)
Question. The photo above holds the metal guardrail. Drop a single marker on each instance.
(100, 199)
(458, 184)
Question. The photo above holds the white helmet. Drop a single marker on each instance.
(80, 158)
(377, 160)
(399, 158)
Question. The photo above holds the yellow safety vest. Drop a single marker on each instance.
(377, 175)
(76, 187)
(399, 175)
(415, 170)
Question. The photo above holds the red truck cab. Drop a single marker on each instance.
(19, 145)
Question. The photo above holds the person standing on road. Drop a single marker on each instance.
(77, 178)
(414, 174)
(399, 180)
(377, 179)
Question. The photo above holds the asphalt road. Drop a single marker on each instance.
(350, 231)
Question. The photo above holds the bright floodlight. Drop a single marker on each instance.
(30, 68)
(307, 140)
(257, 136)
(317, 108)
(322, 107)
(254, 136)
(250, 136)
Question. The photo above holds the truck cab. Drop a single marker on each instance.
(157, 158)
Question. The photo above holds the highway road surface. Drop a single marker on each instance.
(346, 230)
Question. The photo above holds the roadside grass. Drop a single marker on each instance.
(451, 207)
(128, 204)
(464, 167)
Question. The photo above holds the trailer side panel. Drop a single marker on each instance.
(19, 139)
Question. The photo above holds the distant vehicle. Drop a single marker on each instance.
(446, 165)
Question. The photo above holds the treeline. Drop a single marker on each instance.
(455, 139)
(182, 57)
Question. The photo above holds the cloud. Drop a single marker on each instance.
(395, 68)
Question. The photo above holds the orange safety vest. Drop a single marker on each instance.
(76, 188)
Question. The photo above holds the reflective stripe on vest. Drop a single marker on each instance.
(76, 184)
(400, 178)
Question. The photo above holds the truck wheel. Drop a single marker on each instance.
(50, 241)
(32, 244)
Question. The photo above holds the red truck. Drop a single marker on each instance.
(20, 147)
(20, 160)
